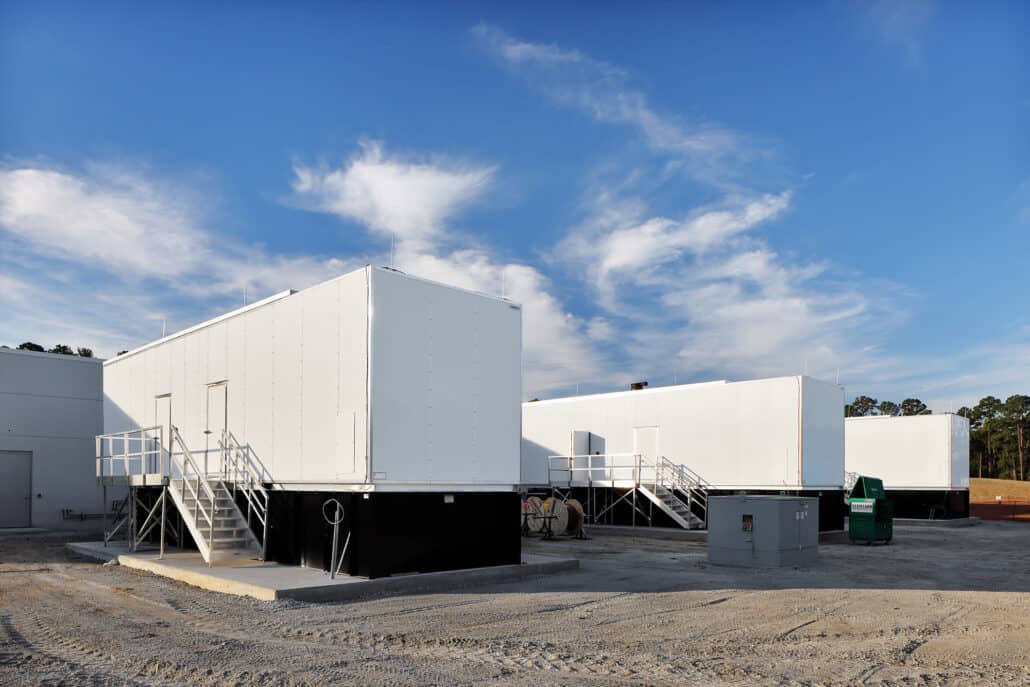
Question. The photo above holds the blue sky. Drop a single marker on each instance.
(674, 191)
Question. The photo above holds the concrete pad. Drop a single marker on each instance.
(268, 581)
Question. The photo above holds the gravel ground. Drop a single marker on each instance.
(937, 607)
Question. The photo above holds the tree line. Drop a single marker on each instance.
(59, 348)
(999, 431)
(999, 436)
(863, 405)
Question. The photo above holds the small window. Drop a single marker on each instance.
(747, 522)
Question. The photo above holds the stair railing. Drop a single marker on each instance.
(683, 478)
(195, 481)
(246, 476)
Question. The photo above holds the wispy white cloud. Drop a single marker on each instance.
(107, 216)
(101, 256)
(605, 92)
(706, 296)
(411, 201)
(620, 246)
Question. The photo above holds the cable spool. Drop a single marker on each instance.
(532, 510)
(575, 509)
(553, 506)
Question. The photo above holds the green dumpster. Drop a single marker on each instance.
(871, 515)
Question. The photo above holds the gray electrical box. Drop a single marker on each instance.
(763, 530)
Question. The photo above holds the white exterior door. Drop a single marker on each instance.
(645, 443)
(15, 488)
(217, 422)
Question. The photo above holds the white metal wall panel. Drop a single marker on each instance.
(188, 407)
(959, 452)
(351, 420)
(256, 426)
(52, 407)
(217, 351)
(446, 383)
(822, 432)
(117, 418)
(913, 452)
(37, 373)
(176, 384)
(320, 363)
(237, 371)
(734, 435)
(288, 441)
(159, 372)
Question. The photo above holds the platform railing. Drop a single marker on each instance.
(133, 452)
(594, 469)
(588, 468)
(245, 475)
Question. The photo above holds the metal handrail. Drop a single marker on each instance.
(128, 455)
(690, 482)
(201, 481)
(568, 465)
(238, 468)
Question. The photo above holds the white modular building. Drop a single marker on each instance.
(923, 461)
(776, 435)
(51, 409)
(397, 396)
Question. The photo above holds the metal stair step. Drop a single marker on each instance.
(227, 506)
(222, 541)
(218, 499)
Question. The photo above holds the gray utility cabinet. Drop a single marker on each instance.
(763, 530)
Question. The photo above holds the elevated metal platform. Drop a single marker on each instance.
(680, 494)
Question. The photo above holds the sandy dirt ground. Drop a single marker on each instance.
(939, 606)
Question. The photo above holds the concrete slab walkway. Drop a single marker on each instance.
(268, 581)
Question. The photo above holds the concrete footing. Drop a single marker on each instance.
(270, 581)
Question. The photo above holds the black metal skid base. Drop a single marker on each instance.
(394, 533)
(928, 504)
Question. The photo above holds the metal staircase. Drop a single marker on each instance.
(671, 505)
(206, 503)
(208, 509)
(678, 492)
